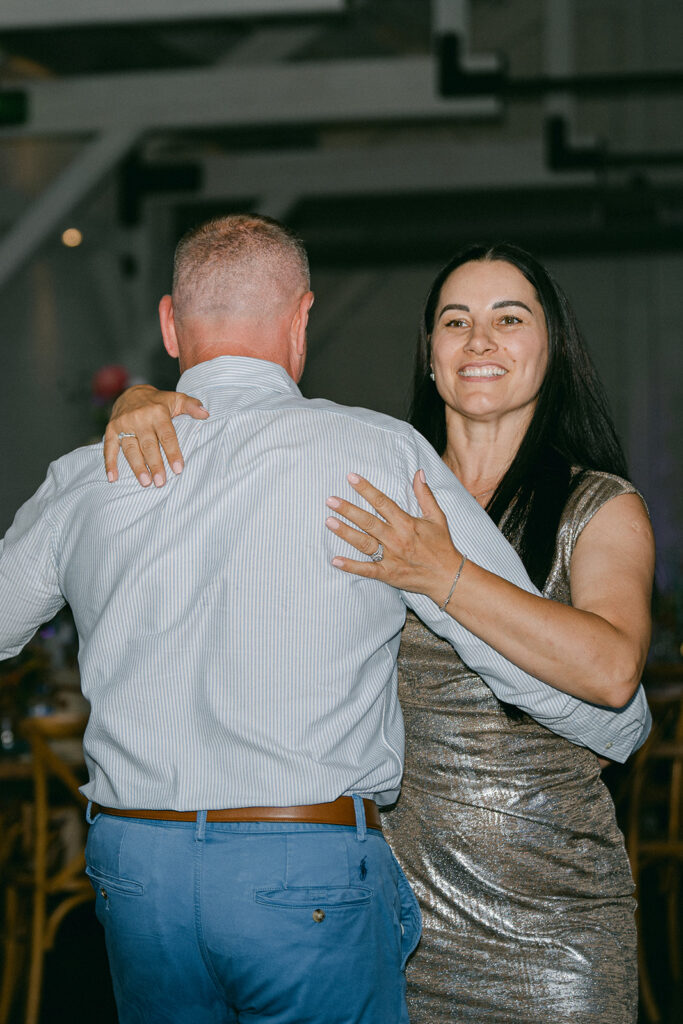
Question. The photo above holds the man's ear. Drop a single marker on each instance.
(167, 321)
(300, 323)
(297, 336)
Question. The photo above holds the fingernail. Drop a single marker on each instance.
(177, 467)
(421, 474)
(338, 562)
(333, 502)
(158, 480)
(145, 479)
(110, 477)
(353, 478)
(333, 524)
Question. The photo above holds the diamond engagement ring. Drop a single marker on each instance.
(125, 433)
(378, 555)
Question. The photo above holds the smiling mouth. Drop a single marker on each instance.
(482, 371)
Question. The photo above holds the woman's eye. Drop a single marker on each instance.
(510, 319)
(456, 323)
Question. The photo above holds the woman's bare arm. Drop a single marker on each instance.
(594, 649)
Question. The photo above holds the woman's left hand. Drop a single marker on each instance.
(419, 555)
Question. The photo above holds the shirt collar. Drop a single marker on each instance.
(242, 371)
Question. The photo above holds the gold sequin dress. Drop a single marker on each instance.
(508, 836)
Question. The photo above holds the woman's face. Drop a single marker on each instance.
(489, 342)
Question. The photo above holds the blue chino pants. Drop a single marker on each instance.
(290, 923)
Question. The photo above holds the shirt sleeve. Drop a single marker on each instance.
(29, 586)
(613, 733)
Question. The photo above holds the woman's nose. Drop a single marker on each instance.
(480, 340)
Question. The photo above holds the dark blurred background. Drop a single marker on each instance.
(388, 133)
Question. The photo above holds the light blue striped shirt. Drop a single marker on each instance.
(226, 661)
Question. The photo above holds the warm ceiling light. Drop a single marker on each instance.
(72, 237)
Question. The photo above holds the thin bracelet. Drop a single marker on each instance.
(442, 607)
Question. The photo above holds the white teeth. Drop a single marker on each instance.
(482, 371)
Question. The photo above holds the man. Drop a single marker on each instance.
(244, 716)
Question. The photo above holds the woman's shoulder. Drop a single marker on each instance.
(590, 490)
(598, 486)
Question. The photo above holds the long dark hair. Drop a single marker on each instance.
(571, 425)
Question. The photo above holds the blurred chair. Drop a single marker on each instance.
(49, 880)
(655, 826)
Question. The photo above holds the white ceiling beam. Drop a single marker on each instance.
(317, 92)
(268, 45)
(381, 170)
(23, 14)
(47, 212)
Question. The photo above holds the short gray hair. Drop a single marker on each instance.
(242, 265)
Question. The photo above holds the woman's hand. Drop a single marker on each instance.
(594, 648)
(419, 555)
(145, 414)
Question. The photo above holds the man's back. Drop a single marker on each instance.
(211, 619)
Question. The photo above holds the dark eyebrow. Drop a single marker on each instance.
(453, 305)
(496, 305)
(511, 302)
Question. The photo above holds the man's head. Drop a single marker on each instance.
(240, 287)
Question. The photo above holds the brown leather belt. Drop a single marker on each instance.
(339, 812)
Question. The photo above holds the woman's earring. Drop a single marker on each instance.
(431, 376)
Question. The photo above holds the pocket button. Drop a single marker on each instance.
(318, 916)
(104, 894)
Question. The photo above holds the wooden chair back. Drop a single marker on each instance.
(47, 887)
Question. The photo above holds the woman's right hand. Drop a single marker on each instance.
(147, 416)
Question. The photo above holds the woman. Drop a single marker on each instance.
(506, 830)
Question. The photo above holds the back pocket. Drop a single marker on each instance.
(304, 897)
(113, 883)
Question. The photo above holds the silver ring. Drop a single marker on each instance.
(124, 433)
(379, 554)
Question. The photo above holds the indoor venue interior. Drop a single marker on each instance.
(387, 135)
